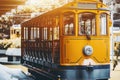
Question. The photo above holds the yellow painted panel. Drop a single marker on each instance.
(74, 50)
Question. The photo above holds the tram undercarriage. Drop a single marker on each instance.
(56, 72)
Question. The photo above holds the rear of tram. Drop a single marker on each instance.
(85, 43)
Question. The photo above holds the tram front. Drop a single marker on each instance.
(85, 41)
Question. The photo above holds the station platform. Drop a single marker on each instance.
(115, 75)
(14, 72)
(4, 60)
(11, 56)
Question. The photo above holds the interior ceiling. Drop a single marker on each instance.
(7, 5)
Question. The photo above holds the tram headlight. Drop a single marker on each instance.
(88, 50)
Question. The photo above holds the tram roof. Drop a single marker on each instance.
(76, 4)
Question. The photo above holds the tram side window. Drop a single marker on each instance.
(56, 28)
(38, 33)
(45, 33)
(32, 32)
(87, 24)
(69, 24)
(42, 34)
(50, 34)
(25, 33)
(56, 33)
(35, 32)
(103, 24)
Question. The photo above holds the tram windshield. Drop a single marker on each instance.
(103, 24)
(87, 24)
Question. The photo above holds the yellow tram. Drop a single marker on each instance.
(68, 43)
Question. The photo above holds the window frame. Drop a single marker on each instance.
(92, 33)
(74, 32)
(106, 24)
